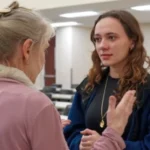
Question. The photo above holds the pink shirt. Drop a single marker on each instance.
(110, 140)
(28, 119)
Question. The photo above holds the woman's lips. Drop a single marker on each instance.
(106, 56)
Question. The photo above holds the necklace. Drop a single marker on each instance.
(102, 123)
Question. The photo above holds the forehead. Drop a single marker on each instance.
(109, 25)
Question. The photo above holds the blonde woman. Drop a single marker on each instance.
(29, 120)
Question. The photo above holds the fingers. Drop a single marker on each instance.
(131, 102)
(85, 143)
(127, 98)
(86, 138)
(65, 122)
(87, 132)
(126, 103)
(117, 119)
(112, 103)
(85, 148)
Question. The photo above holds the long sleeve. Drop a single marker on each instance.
(110, 140)
(44, 126)
(72, 132)
(143, 144)
(143, 132)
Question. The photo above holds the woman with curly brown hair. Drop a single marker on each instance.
(118, 66)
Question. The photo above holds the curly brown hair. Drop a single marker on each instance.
(135, 73)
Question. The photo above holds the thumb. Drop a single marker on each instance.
(87, 132)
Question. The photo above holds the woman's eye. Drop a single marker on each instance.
(112, 38)
(97, 39)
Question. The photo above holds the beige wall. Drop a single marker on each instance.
(73, 50)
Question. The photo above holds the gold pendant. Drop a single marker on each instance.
(102, 123)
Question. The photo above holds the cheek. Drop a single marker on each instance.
(121, 48)
(121, 55)
(98, 52)
(42, 56)
(43, 59)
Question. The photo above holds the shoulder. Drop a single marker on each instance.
(145, 85)
(38, 104)
(82, 85)
(148, 80)
(34, 96)
(27, 96)
(143, 92)
(81, 95)
(145, 88)
(38, 97)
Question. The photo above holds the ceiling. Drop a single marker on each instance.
(53, 13)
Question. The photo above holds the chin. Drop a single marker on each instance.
(107, 64)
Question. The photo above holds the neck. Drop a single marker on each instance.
(115, 72)
(16, 74)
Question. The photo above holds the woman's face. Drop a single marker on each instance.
(31, 59)
(37, 60)
(111, 42)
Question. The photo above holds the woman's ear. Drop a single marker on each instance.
(132, 45)
(26, 49)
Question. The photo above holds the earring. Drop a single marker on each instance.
(132, 47)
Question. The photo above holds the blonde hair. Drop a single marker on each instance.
(18, 24)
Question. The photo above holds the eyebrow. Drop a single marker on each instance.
(109, 33)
